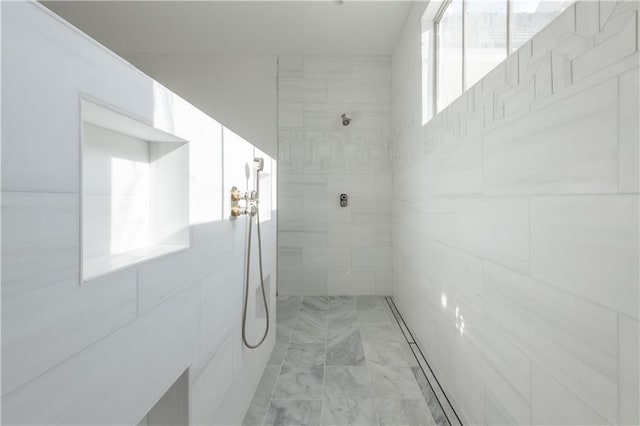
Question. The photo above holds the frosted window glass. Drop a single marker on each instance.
(528, 17)
(485, 34)
(449, 55)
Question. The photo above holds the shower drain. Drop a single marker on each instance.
(437, 400)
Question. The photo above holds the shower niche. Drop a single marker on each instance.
(134, 192)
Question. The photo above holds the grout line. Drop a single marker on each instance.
(618, 133)
(292, 399)
(366, 364)
(530, 267)
(617, 365)
(392, 303)
(530, 362)
(294, 320)
(532, 277)
(324, 367)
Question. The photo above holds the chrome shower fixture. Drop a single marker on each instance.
(345, 120)
(259, 163)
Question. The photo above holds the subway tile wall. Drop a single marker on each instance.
(519, 204)
(324, 248)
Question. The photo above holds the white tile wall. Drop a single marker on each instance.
(579, 243)
(565, 148)
(519, 203)
(553, 403)
(541, 321)
(494, 228)
(212, 384)
(106, 351)
(629, 142)
(628, 373)
(323, 248)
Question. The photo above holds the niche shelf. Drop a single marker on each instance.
(134, 192)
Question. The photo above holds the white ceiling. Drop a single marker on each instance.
(240, 27)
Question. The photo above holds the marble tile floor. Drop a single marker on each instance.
(342, 360)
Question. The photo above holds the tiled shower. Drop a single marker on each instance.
(478, 265)
(324, 248)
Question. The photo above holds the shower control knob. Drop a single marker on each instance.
(237, 211)
(344, 200)
(236, 195)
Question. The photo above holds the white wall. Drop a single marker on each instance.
(173, 408)
(322, 247)
(239, 91)
(106, 351)
(519, 202)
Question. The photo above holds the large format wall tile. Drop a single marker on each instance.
(573, 339)
(563, 149)
(47, 163)
(40, 240)
(53, 324)
(494, 228)
(616, 41)
(326, 258)
(629, 143)
(456, 273)
(554, 404)
(459, 169)
(41, 288)
(124, 357)
(105, 351)
(325, 248)
(628, 373)
(515, 212)
(588, 245)
(212, 384)
(307, 283)
(351, 283)
(218, 294)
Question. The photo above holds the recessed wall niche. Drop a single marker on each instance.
(135, 192)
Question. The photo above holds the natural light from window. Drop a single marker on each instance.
(130, 188)
(449, 55)
(465, 39)
(485, 38)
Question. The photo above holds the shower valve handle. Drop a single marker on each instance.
(237, 211)
(237, 195)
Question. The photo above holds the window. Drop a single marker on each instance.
(470, 38)
(485, 38)
(527, 18)
(449, 55)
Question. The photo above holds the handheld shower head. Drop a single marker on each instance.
(258, 163)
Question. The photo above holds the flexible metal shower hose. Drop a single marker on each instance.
(246, 287)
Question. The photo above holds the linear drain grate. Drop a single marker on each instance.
(441, 408)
